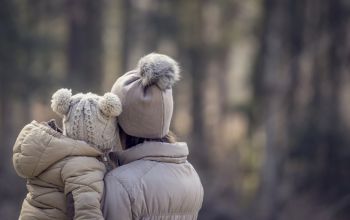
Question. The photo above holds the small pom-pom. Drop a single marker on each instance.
(60, 101)
(110, 105)
(158, 69)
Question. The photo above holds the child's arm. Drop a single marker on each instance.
(83, 178)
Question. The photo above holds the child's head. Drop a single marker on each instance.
(89, 117)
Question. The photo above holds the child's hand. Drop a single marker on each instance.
(53, 125)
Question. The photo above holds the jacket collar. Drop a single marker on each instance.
(155, 151)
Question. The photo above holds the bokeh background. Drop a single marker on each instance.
(264, 100)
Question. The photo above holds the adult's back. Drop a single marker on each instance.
(155, 181)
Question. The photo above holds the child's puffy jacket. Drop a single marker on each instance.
(56, 167)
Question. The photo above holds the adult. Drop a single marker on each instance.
(155, 180)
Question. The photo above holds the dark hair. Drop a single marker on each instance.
(131, 141)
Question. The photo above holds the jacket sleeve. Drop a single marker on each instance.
(116, 203)
(83, 181)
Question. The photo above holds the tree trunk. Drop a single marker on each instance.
(85, 44)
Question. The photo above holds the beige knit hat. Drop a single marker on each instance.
(89, 117)
(146, 96)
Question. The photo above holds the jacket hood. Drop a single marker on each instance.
(156, 151)
(38, 147)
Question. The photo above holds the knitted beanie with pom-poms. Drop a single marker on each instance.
(89, 117)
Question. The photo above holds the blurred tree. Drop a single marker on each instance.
(192, 49)
(8, 38)
(85, 44)
(298, 83)
(126, 35)
(145, 25)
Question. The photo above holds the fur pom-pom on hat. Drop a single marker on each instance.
(60, 101)
(158, 69)
(110, 105)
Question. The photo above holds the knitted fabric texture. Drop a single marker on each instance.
(89, 117)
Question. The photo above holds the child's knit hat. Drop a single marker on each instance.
(89, 117)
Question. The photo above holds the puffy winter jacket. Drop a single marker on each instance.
(155, 181)
(54, 167)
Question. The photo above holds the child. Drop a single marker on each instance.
(57, 167)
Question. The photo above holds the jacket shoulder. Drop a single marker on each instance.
(29, 150)
(130, 174)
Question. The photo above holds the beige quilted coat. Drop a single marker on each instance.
(155, 182)
(55, 166)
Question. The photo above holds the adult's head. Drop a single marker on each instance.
(88, 117)
(146, 97)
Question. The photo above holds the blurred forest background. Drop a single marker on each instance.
(264, 100)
